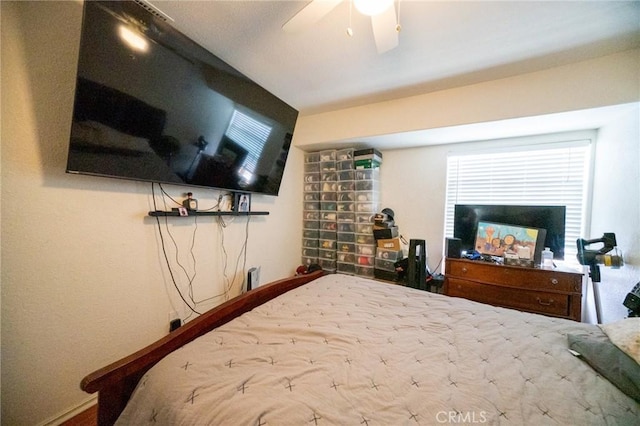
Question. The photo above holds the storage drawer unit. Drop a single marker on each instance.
(339, 203)
(311, 209)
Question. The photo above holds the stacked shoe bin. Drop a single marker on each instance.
(346, 212)
(311, 209)
(367, 186)
(339, 205)
(328, 211)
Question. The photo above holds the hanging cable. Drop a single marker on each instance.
(193, 258)
(190, 278)
(167, 195)
(228, 284)
(243, 252)
(166, 258)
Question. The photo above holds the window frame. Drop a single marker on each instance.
(522, 145)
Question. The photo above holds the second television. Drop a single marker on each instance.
(550, 218)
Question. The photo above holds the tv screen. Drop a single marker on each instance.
(152, 105)
(501, 240)
(550, 218)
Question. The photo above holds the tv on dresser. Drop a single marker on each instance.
(550, 219)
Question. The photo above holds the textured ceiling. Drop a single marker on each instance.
(443, 44)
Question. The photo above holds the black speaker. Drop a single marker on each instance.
(453, 248)
(417, 267)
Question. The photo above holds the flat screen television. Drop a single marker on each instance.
(152, 105)
(550, 218)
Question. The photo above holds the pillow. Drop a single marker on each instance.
(625, 334)
(608, 360)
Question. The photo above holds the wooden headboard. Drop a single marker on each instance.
(115, 383)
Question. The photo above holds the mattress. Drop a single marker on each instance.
(350, 351)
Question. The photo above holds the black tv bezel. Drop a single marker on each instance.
(249, 96)
(515, 217)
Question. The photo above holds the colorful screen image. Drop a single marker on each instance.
(497, 239)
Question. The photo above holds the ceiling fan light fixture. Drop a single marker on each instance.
(134, 39)
(372, 7)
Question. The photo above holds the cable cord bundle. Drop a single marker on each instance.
(190, 301)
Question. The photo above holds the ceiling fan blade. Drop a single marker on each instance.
(309, 15)
(384, 29)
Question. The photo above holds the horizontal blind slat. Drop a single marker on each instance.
(551, 176)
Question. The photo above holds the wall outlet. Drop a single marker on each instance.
(253, 278)
(175, 324)
(174, 321)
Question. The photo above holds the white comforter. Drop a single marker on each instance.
(350, 351)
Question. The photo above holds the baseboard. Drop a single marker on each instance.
(69, 414)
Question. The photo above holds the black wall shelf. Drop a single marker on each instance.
(176, 213)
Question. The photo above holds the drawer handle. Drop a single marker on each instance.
(549, 303)
(464, 270)
(554, 281)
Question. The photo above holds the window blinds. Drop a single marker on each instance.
(251, 135)
(551, 174)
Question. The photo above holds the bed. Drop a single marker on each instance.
(337, 349)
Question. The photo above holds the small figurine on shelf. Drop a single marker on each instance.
(190, 203)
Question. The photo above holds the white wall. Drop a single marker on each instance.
(604, 81)
(413, 186)
(83, 278)
(616, 207)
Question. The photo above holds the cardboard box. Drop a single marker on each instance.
(390, 244)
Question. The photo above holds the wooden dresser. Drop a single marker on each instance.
(548, 292)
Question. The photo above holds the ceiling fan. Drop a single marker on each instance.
(384, 20)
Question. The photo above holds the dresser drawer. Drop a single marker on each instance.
(548, 303)
(513, 276)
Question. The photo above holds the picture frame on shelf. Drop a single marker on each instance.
(242, 202)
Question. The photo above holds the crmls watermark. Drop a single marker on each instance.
(455, 417)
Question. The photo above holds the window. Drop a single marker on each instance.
(251, 135)
(541, 174)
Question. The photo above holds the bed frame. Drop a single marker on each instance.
(115, 383)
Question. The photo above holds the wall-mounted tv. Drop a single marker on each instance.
(153, 105)
(550, 218)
